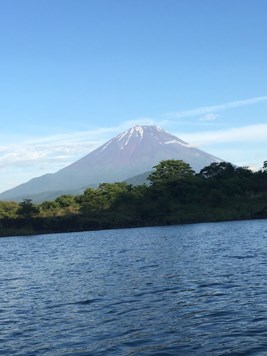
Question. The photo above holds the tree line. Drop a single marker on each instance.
(174, 194)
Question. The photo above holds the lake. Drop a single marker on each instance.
(179, 290)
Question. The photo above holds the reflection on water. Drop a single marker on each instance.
(179, 290)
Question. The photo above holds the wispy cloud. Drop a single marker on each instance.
(209, 117)
(249, 134)
(216, 108)
(55, 151)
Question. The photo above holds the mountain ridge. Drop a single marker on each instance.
(129, 154)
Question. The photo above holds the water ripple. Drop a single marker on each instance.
(181, 290)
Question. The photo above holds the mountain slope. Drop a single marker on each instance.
(129, 154)
(139, 179)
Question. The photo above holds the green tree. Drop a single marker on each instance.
(8, 209)
(218, 170)
(244, 172)
(65, 200)
(49, 208)
(27, 209)
(101, 198)
(109, 192)
(88, 201)
(170, 170)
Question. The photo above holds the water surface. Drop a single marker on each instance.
(181, 290)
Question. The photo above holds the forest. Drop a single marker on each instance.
(174, 194)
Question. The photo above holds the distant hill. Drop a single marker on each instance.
(129, 154)
(139, 179)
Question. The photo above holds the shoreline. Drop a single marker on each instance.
(24, 232)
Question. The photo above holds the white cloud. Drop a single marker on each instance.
(215, 108)
(209, 117)
(249, 134)
(56, 151)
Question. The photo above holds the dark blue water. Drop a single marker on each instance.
(182, 290)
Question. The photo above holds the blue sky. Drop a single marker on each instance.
(74, 73)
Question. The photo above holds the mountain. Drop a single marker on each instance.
(139, 179)
(127, 155)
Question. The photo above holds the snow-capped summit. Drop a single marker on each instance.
(138, 133)
(130, 153)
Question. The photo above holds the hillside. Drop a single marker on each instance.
(129, 154)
